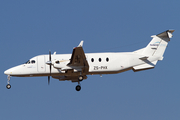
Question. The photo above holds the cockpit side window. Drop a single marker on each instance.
(33, 61)
(30, 62)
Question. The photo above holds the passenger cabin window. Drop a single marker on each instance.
(107, 59)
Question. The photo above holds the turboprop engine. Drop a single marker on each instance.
(61, 64)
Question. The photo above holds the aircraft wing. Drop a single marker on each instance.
(78, 59)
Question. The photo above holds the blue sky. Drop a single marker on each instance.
(30, 28)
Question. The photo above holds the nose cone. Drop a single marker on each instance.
(13, 70)
(7, 72)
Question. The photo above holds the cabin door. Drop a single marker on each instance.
(41, 64)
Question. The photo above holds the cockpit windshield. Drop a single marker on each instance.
(27, 62)
(30, 62)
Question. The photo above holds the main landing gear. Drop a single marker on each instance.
(8, 86)
(78, 87)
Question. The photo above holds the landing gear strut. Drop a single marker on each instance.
(8, 86)
(78, 87)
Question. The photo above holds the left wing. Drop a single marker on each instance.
(78, 59)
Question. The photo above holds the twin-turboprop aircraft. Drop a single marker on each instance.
(76, 66)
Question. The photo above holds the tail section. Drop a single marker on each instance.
(158, 44)
(153, 51)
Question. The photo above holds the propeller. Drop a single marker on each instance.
(49, 63)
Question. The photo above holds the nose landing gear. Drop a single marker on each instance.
(8, 86)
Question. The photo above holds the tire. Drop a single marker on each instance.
(8, 86)
(80, 78)
(78, 88)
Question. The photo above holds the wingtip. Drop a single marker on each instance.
(81, 44)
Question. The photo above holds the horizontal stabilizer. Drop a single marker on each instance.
(143, 58)
(145, 66)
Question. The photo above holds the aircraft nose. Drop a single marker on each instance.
(14, 70)
(7, 72)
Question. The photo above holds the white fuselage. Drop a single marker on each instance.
(99, 63)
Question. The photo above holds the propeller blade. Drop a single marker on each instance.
(48, 80)
(50, 61)
(49, 55)
(49, 67)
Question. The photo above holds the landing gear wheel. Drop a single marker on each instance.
(80, 78)
(8, 86)
(78, 88)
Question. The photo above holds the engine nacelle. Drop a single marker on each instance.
(58, 66)
(62, 65)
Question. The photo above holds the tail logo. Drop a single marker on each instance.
(155, 44)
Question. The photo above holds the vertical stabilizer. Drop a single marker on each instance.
(158, 44)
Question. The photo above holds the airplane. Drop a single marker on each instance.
(76, 66)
